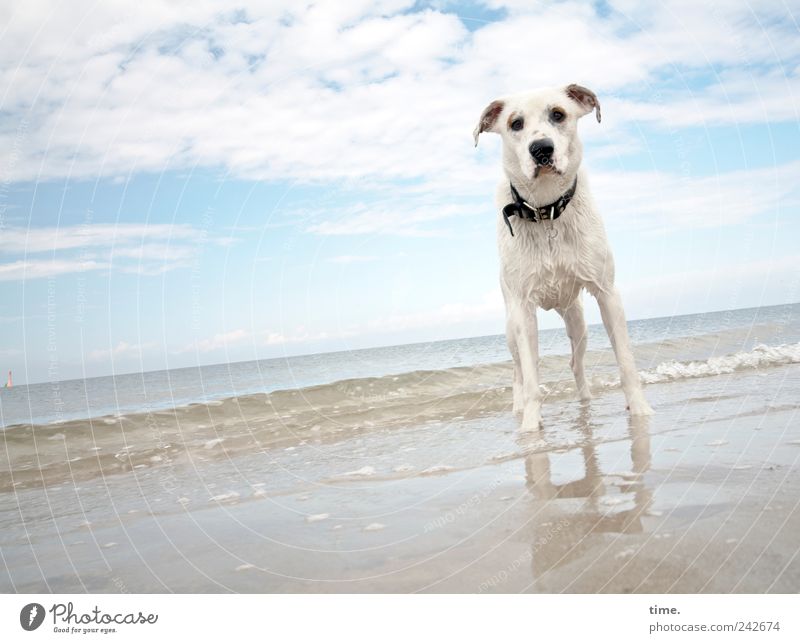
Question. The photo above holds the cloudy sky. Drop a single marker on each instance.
(193, 182)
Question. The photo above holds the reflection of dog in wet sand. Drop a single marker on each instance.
(561, 531)
(551, 239)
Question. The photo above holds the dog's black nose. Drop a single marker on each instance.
(542, 151)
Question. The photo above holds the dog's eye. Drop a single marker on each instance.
(557, 115)
(517, 124)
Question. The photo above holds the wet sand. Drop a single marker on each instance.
(702, 497)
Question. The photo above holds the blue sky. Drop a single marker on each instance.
(192, 183)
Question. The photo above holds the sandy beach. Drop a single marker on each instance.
(425, 494)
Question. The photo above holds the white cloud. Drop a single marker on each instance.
(50, 239)
(408, 216)
(145, 249)
(261, 338)
(219, 340)
(39, 268)
(313, 91)
(737, 99)
(120, 350)
(384, 94)
(664, 202)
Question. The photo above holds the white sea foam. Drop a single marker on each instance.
(363, 472)
(759, 357)
(225, 497)
(440, 468)
(317, 517)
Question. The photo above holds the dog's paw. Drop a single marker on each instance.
(584, 395)
(531, 418)
(639, 406)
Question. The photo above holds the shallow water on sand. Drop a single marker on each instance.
(422, 482)
(701, 497)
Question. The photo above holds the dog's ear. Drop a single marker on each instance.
(488, 119)
(586, 98)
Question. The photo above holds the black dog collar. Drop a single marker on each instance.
(526, 211)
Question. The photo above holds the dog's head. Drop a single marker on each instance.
(540, 128)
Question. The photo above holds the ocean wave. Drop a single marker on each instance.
(761, 356)
(403, 392)
(43, 454)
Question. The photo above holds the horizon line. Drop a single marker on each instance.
(367, 348)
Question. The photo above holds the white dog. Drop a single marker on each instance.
(551, 239)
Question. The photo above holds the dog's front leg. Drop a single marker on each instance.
(523, 332)
(576, 331)
(614, 320)
(511, 339)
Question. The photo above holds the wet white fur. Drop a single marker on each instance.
(544, 267)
